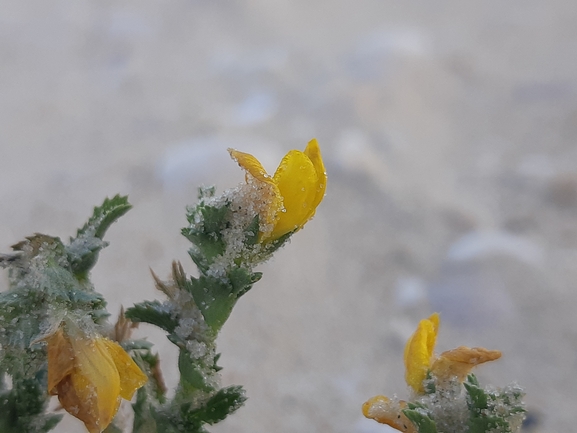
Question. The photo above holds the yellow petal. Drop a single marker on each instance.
(313, 151)
(460, 361)
(268, 195)
(292, 194)
(131, 377)
(385, 411)
(419, 352)
(297, 181)
(60, 359)
(90, 375)
(77, 405)
(95, 380)
(251, 165)
(432, 337)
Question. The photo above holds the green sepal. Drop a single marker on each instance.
(153, 312)
(252, 231)
(423, 422)
(242, 280)
(217, 408)
(271, 247)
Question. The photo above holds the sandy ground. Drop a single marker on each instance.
(448, 130)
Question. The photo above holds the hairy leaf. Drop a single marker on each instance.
(152, 312)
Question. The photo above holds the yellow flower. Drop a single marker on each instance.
(90, 375)
(292, 194)
(419, 361)
(419, 352)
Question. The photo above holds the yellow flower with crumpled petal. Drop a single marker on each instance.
(293, 192)
(90, 374)
(419, 360)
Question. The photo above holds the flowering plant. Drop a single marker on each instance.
(445, 396)
(55, 338)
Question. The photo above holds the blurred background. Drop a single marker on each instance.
(449, 133)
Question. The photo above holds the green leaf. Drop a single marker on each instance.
(21, 408)
(152, 312)
(423, 423)
(242, 280)
(83, 250)
(488, 424)
(144, 421)
(214, 297)
(477, 398)
(193, 372)
(104, 216)
(214, 218)
(217, 408)
(489, 411)
(205, 232)
(472, 380)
